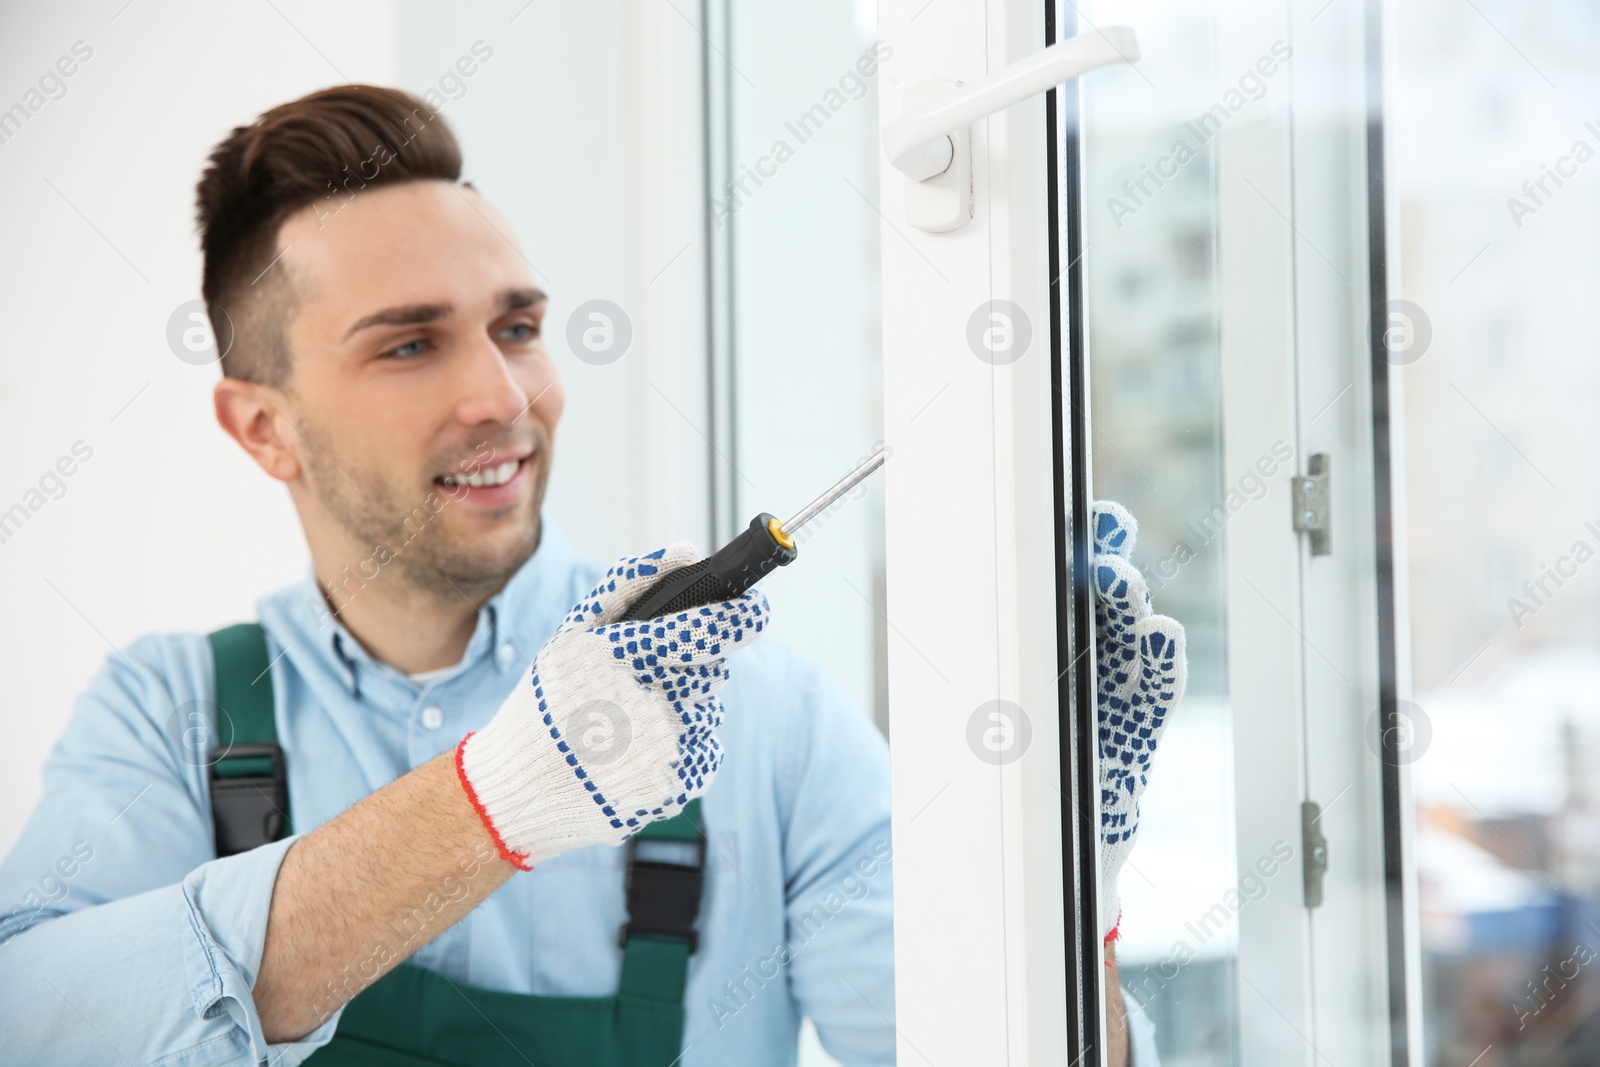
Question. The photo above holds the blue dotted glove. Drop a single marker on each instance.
(616, 727)
(1141, 670)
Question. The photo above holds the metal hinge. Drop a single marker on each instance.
(1314, 850)
(1311, 504)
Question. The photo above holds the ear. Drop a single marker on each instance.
(257, 421)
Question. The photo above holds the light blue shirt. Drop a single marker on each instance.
(122, 939)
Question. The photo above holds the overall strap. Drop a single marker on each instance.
(664, 883)
(249, 782)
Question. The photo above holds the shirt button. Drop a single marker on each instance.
(503, 654)
(432, 717)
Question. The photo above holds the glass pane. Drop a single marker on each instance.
(1494, 154)
(1151, 314)
(807, 374)
(799, 204)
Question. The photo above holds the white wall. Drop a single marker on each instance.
(168, 525)
(582, 127)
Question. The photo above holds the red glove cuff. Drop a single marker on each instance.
(1112, 935)
(518, 860)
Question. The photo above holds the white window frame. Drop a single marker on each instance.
(981, 944)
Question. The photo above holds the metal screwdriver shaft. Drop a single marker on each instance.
(761, 548)
(840, 488)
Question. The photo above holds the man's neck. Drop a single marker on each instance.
(411, 628)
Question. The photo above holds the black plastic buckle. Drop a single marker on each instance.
(249, 811)
(663, 898)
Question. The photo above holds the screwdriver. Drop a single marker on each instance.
(766, 544)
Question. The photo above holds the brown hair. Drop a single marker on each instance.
(319, 147)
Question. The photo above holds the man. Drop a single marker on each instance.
(456, 699)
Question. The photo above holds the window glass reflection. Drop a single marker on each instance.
(1495, 153)
(1152, 317)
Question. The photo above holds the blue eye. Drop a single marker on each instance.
(533, 331)
(408, 350)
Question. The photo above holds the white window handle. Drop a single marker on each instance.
(930, 141)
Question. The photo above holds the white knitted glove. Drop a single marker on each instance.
(616, 727)
(1141, 669)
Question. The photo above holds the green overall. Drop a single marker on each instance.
(414, 1016)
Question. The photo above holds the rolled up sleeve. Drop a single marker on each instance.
(226, 904)
(122, 940)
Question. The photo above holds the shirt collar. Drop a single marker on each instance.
(511, 625)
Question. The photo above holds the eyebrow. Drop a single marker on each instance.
(412, 314)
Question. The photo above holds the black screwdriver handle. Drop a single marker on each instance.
(725, 575)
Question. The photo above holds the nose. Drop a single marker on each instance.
(488, 390)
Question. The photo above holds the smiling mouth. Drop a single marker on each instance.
(485, 477)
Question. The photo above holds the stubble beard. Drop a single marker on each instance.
(411, 523)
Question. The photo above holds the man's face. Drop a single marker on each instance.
(417, 361)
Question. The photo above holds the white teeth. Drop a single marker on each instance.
(484, 478)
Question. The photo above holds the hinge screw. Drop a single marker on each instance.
(1309, 506)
